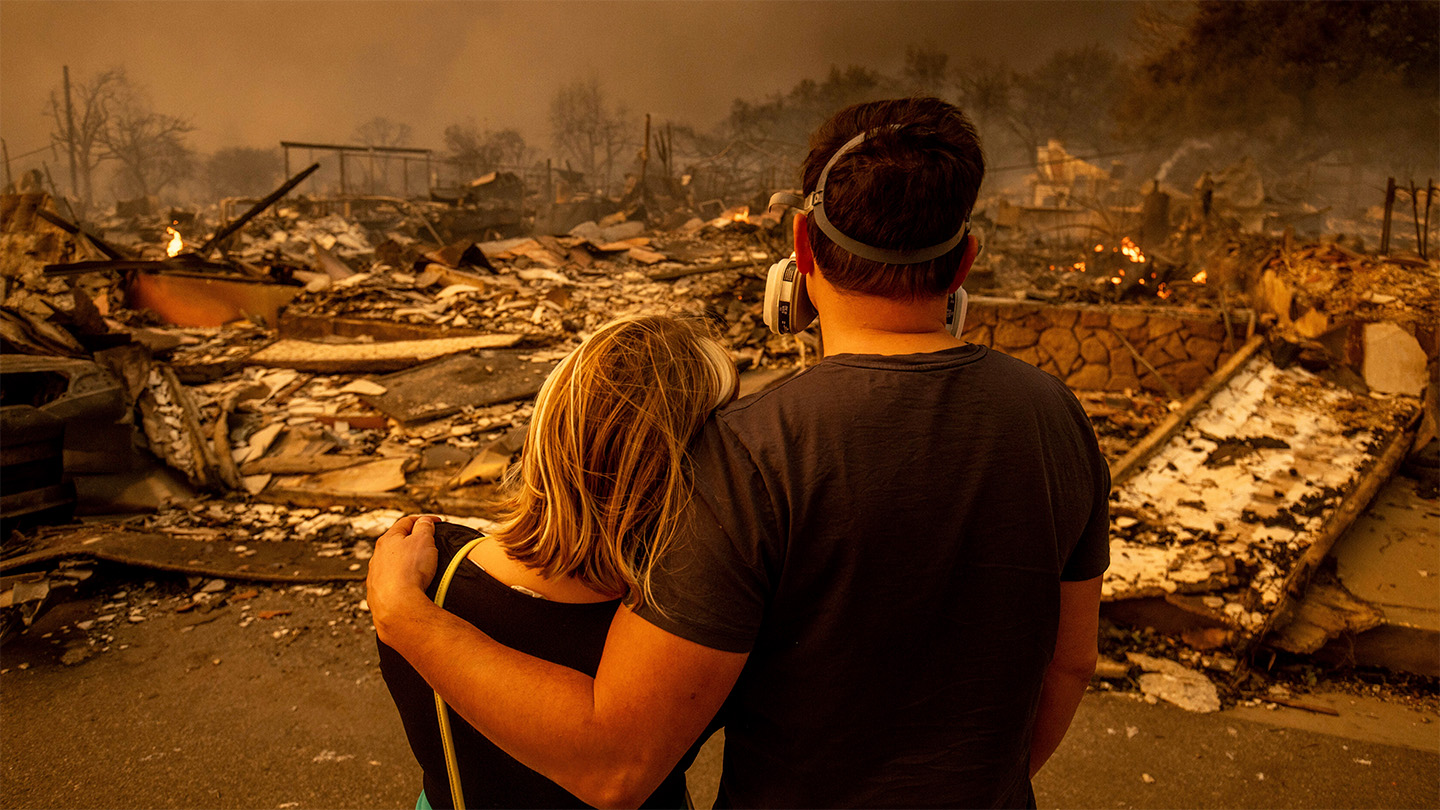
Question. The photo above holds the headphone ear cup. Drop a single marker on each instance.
(956, 307)
(787, 308)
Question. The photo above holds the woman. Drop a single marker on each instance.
(594, 501)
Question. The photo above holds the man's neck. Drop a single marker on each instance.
(870, 341)
(867, 324)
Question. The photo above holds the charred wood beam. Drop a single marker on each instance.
(1123, 468)
(75, 230)
(255, 209)
(146, 265)
(671, 275)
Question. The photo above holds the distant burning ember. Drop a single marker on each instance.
(1131, 250)
(1199, 278)
(176, 243)
(742, 215)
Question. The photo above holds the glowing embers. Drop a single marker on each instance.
(1131, 250)
(741, 214)
(176, 244)
(1199, 278)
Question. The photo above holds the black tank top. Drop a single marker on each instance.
(571, 635)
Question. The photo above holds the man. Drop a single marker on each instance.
(892, 563)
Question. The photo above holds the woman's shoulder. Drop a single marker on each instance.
(450, 538)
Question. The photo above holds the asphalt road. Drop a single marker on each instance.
(242, 707)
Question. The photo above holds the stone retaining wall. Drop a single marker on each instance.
(1082, 345)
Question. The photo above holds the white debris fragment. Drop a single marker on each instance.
(1176, 683)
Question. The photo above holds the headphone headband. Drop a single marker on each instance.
(815, 203)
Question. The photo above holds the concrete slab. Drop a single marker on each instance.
(1390, 557)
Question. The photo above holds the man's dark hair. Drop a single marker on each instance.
(910, 184)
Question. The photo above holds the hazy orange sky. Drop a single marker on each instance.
(253, 73)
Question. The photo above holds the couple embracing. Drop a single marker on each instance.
(881, 576)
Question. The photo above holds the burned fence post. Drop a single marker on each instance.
(1389, 207)
(343, 190)
(1429, 200)
(1415, 211)
(645, 153)
(255, 210)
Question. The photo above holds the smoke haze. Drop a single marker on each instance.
(254, 73)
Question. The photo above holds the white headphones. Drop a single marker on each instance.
(788, 309)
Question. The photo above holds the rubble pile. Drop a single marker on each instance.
(1219, 517)
(367, 366)
(1316, 288)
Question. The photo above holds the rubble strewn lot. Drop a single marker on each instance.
(366, 367)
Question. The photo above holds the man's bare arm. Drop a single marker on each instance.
(610, 739)
(1070, 669)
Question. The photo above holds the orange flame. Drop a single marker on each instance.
(743, 215)
(1199, 278)
(1099, 248)
(176, 243)
(1163, 291)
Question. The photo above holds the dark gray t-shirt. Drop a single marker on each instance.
(886, 537)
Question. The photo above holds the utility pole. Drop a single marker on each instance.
(10, 181)
(70, 136)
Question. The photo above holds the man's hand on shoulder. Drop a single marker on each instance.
(400, 570)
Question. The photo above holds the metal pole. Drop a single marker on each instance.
(342, 173)
(256, 209)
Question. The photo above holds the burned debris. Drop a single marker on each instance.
(257, 398)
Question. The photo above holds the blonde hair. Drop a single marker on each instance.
(603, 478)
